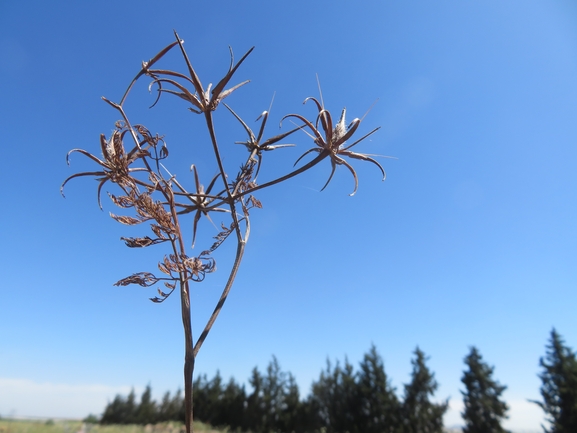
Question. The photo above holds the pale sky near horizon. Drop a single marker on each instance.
(471, 240)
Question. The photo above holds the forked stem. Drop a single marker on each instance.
(166, 227)
(223, 296)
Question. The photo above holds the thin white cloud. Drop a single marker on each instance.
(524, 417)
(23, 397)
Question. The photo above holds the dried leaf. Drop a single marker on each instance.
(255, 203)
(163, 268)
(122, 201)
(144, 279)
(140, 242)
(158, 231)
(129, 221)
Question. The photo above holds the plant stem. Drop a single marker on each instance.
(188, 354)
(224, 295)
(186, 319)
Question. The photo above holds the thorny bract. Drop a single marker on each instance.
(154, 195)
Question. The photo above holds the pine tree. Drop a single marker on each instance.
(292, 417)
(273, 388)
(559, 388)
(171, 408)
(207, 396)
(231, 406)
(146, 411)
(114, 411)
(130, 408)
(379, 406)
(483, 408)
(255, 406)
(334, 401)
(419, 414)
(121, 410)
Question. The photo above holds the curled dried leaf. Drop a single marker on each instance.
(141, 242)
(144, 279)
(164, 269)
(127, 220)
(158, 231)
(122, 201)
(199, 267)
(255, 202)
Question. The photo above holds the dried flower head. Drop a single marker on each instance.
(331, 142)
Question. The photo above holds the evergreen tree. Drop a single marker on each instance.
(121, 410)
(483, 408)
(146, 411)
(114, 411)
(255, 406)
(292, 418)
(231, 406)
(207, 396)
(130, 408)
(379, 406)
(419, 414)
(178, 406)
(559, 388)
(334, 401)
(274, 403)
(273, 395)
(171, 409)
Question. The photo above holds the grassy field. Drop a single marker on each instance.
(61, 426)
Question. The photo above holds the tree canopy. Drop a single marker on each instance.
(484, 409)
(559, 386)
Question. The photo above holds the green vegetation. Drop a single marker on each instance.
(484, 409)
(419, 414)
(559, 389)
(342, 400)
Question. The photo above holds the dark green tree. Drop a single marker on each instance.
(559, 388)
(484, 409)
(292, 418)
(121, 410)
(146, 412)
(230, 411)
(334, 401)
(130, 408)
(274, 403)
(207, 396)
(273, 395)
(420, 415)
(255, 406)
(379, 405)
(171, 408)
(114, 411)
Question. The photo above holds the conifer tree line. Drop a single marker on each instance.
(357, 401)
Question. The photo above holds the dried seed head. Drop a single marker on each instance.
(340, 128)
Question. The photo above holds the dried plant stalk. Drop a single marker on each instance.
(156, 197)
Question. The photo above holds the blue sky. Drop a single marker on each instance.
(471, 240)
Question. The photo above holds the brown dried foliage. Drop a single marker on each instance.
(156, 197)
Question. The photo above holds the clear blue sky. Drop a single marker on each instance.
(471, 240)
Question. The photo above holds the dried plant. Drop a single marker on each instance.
(155, 196)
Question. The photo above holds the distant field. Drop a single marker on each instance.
(24, 426)
(20, 426)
